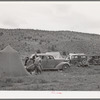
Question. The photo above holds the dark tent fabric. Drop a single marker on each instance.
(10, 63)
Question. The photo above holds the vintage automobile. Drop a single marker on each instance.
(78, 59)
(94, 60)
(49, 63)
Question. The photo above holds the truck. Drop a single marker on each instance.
(78, 59)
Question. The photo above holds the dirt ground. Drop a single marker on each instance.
(73, 79)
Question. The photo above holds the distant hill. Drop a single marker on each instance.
(27, 41)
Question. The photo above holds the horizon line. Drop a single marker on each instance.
(50, 30)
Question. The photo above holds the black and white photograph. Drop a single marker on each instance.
(50, 46)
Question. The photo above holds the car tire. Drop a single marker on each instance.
(64, 67)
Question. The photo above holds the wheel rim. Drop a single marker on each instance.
(64, 67)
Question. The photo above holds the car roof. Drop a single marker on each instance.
(44, 54)
(76, 54)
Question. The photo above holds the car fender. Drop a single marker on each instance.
(59, 66)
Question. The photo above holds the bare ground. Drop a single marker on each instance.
(73, 79)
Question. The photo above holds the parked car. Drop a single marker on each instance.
(78, 59)
(94, 60)
(50, 63)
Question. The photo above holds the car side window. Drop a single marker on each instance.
(44, 57)
(50, 57)
(75, 56)
(83, 56)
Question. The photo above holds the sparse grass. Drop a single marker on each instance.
(78, 79)
(5, 82)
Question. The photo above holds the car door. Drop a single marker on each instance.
(44, 61)
(51, 62)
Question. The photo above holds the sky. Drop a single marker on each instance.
(65, 15)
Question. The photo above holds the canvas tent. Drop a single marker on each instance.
(10, 63)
